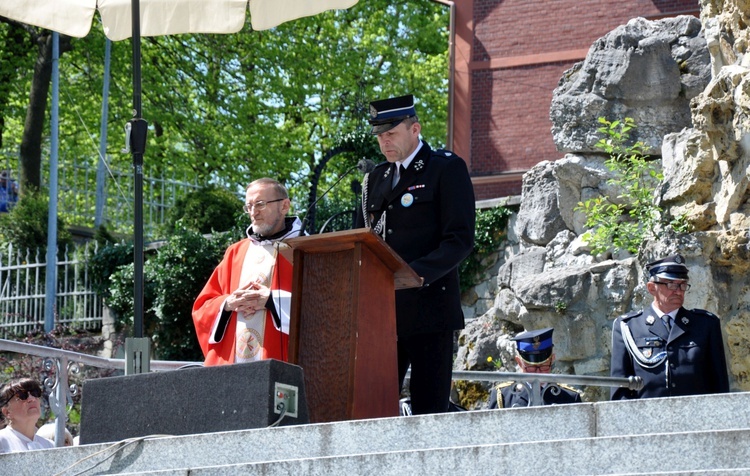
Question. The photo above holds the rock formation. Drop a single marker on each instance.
(688, 89)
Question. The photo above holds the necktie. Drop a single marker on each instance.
(397, 173)
(667, 321)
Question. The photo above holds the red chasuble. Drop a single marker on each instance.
(207, 309)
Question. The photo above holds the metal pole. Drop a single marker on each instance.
(101, 176)
(51, 268)
(137, 349)
(61, 394)
(138, 146)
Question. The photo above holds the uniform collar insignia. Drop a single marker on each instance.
(418, 165)
(650, 320)
(685, 320)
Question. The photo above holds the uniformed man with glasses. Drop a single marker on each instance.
(674, 350)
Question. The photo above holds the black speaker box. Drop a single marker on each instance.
(193, 400)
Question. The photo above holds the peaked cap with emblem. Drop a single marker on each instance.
(535, 346)
(671, 267)
(386, 114)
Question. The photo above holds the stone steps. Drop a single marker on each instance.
(688, 435)
(684, 453)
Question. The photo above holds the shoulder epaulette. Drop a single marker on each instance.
(704, 312)
(502, 385)
(631, 315)
(568, 387)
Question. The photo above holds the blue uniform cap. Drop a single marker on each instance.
(386, 114)
(671, 267)
(535, 346)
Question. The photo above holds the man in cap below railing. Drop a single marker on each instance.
(535, 355)
(676, 351)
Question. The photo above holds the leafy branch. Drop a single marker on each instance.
(625, 223)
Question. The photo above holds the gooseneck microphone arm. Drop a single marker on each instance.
(364, 166)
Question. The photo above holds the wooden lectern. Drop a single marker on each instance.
(343, 323)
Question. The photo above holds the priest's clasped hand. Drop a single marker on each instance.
(248, 299)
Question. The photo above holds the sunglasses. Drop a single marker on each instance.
(24, 394)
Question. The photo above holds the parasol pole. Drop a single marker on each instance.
(138, 352)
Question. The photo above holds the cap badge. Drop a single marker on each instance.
(373, 112)
(536, 343)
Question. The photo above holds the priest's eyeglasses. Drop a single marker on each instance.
(674, 286)
(260, 204)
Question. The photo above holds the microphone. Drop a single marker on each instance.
(364, 166)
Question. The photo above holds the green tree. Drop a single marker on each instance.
(179, 271)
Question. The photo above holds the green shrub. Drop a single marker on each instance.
(105, 262)
(178, 272)
(206, 211)
(489, 232)
(25, 226)
(626, 224)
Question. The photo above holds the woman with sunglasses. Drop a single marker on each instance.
(20, 404)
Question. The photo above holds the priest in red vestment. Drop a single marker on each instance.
(242, 313)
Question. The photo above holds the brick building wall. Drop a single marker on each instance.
(519, 50)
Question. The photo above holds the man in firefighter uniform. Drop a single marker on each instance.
(534, 355)
(674, 350)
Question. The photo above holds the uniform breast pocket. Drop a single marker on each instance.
(689, 351)
(419, 205)
(649, 346)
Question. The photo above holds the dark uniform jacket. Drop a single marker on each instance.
(430, 218)
(688, 361)
(512, 394)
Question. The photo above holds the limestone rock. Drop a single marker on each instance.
(539, 219)
(647, 70)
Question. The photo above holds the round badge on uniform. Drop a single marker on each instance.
(407, 199)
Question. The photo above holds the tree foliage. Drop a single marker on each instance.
(207, 210)
(232, 108)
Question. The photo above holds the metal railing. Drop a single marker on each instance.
(79, 193)
(61, 363)
(533, 381)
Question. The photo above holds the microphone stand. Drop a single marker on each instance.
(364, 165)
(312, 205)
